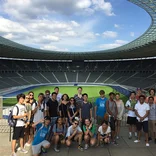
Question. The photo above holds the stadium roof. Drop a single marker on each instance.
(144, 46)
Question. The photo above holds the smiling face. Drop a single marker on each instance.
(87, 122)
(75, 124)
(60, 121)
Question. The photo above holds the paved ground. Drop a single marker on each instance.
(126, 147)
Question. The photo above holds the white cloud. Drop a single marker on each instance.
(54, 48)
(117, 43)
(110, 34)
(132, 34)
(83, 4)
(116, 25)
(75, 24)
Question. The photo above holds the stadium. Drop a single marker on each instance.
(122, 69)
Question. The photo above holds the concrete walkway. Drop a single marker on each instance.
(126, 147)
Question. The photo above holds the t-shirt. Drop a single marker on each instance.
(70, 130)
(53, 108)
(93, 129)
(142, 109)
(39, 113)
(101, 106)
(131, 103)
(63, 109)
(120, 107)
(78, 100)
(85, 110)
(41, 133)
(152, 114)
(62, 130)
(100, 130)
(22, 110)
(59, 95)
(28, 107)
(72, 110)
(112, 107)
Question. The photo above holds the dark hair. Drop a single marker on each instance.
(59, 117)
(104, 122)
(142, 96)
(47, 118)
(64, 95)
(111, 93)
(101, 92)
(85, 94)
(79, 88)
(73, 99)
(40, 94)
(30, 92)
(20, 96)
(56, 88)
(151, 97)
(151, 90)
(133, 92)
(117, 94)
(47, 91)
(53, 93)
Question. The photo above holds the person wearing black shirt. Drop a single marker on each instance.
(52, 108)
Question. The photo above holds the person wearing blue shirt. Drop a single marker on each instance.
(42, 130)
(100, 108)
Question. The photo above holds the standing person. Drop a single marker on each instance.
(19, 114)
(63, 108)
(85, 109)
(72, 110)
(59, 95)
(52, 108)
(138, 93)
(131, 120)
(104, 134)
(31, 96)
(39, 108)
(40, 144)
(100, 108)
(152, 119)
(142, 112)
(120, 107)
(74, 132)
(78, 97)
(151, 93)
(47, 95)
(89, 130)
(59, 130)
(28, 136)
(112, 111)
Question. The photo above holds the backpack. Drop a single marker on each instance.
(11, 121)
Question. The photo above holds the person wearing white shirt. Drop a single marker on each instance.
(39, 108)
(59, 95)
(142, 112)
(131, 119)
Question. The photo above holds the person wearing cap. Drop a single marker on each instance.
(40, 143)
(100, 108)
(138, 93)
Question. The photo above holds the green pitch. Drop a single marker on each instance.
(92, 91)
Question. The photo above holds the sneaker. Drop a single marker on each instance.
(23, 151)
(147, 145)
(19, 148)
(13, 154)
(117, 137)
(56, 149)
(80, 148)
(86, 146)
(130, 136)
(136, 141)
(27, 145)
(114, 143)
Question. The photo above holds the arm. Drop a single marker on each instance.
(116, 111)
(19, 116)
(137, 114)
(95, 109)
(80, 114)
(127, 106)
(91, 113)
(36, 123)
(146, 115)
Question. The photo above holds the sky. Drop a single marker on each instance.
(72, 25)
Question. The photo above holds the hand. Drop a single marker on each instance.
(42, 120)
(28, 123)
(141, 119)
(25, 114)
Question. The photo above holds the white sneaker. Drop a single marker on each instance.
(13, 154)
(147, 145)
(117, 137)
(86, 146)
(19, 148)
(28, 145)
(136, 141)
(130, 136)
(23, 151)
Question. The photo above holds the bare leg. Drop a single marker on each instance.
(13, 145)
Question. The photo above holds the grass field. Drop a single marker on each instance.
(92, 91)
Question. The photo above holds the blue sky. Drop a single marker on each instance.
(72, 25)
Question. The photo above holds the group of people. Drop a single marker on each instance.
(57, 119)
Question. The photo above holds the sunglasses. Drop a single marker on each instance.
(31, 95)
(76, 123)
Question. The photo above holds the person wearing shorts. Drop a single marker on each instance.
(89, 133)
(100, 108)
(59, 130)
(40, 143)
(74, 132)
(131, 119)
(104, 133)
(142, 112)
